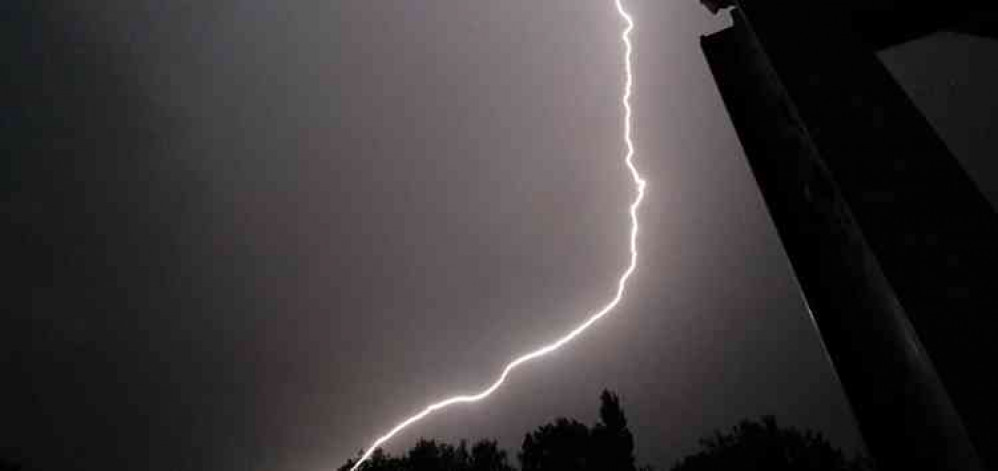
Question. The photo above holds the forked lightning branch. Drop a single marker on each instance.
(639, 184)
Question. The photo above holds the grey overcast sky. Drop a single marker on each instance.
(251, 235)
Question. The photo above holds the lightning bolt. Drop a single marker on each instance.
(639, 184)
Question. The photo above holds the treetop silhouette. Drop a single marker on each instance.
(565, 444)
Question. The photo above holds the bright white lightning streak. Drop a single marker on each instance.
(639, 183)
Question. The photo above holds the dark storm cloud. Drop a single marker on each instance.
(253, 235)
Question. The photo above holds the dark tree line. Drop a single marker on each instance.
(765, 445)
(484, 455)
(562, 445)
(568, 445)
(608, 445)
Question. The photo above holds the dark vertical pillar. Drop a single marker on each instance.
(893, 246)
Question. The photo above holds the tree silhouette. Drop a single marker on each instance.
(567, 445)
(487, 456)
(612, 442)
(764, 445)
(563, 445)
(429, 455)
(379, 461)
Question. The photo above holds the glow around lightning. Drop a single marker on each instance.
(639, 184)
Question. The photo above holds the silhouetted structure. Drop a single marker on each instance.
(895, 249)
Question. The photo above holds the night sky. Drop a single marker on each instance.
(249, 235)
